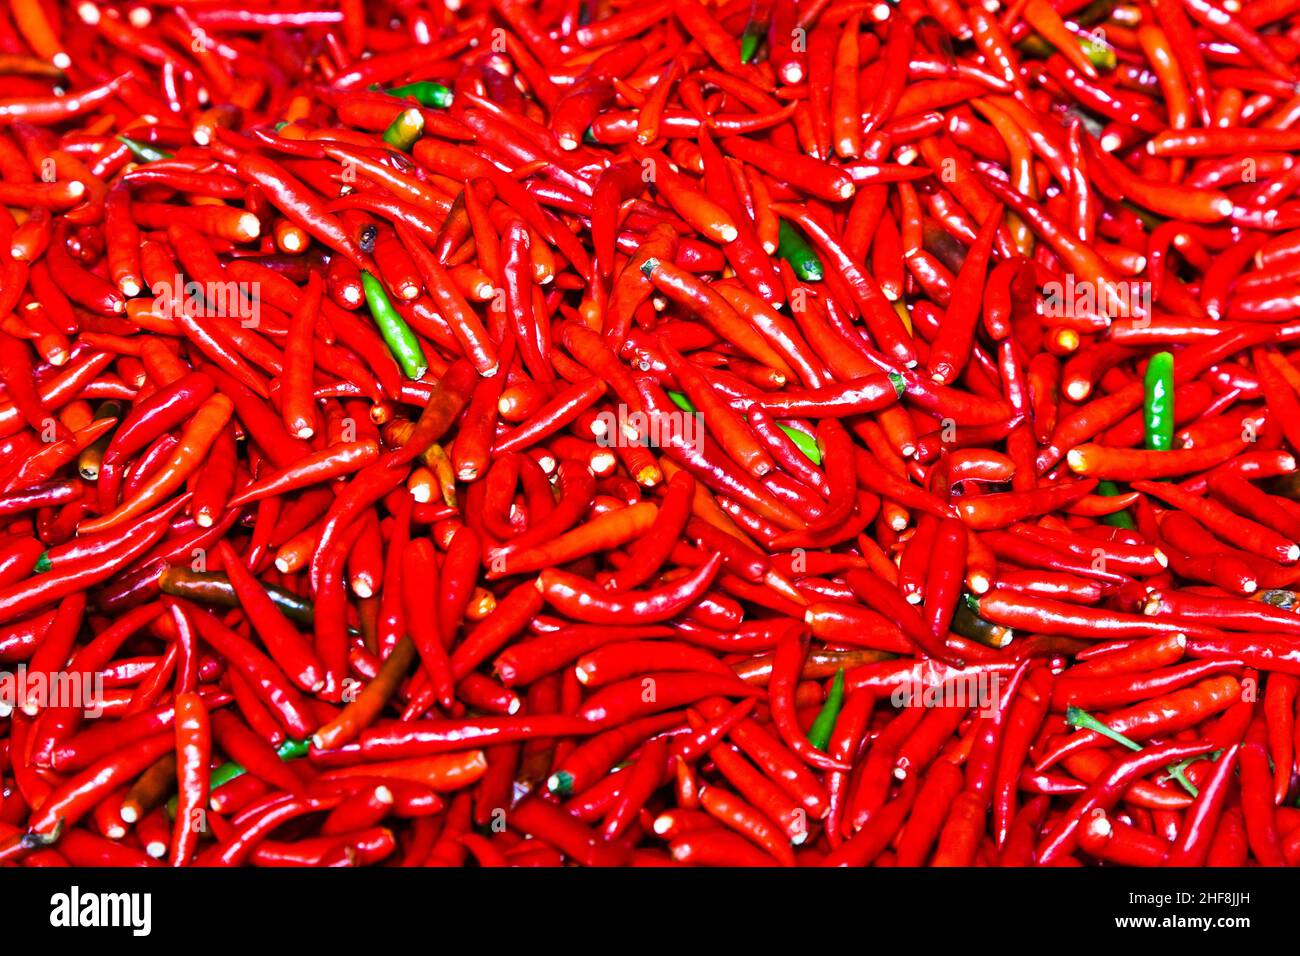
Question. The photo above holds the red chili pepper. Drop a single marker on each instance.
(1106, 790)
(94, 564)
(556, 827)
(194, 747)
(657, 691)
(642, 780)
(1054, 617)
(1197, 830)
(419, 582)
(1090, 693)
(1023, 723)
(1153, 717)
(582, 601)
(877, 325)
(282, 640)
(208, 422)
(1249, 535)
(942, 784)
(78, 796)
(1115, 842)
(868, 843)
(256, 668)
(296, 200)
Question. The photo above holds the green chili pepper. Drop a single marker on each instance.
(224, 774)
(1120, 519)
(143, 151)
(681, 401)
(795, 249)
(397, 334)
(293, 749)
(805, 443)
(819, 734)
(1158, 409)
(750, 40)
(426, 93)
(405, 129)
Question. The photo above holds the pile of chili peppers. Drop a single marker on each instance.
(640, 433)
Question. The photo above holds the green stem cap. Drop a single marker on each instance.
(1078, 717)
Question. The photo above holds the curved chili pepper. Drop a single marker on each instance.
(785, 672)
(581, 601)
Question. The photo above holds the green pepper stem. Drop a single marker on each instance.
(1078, 717)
